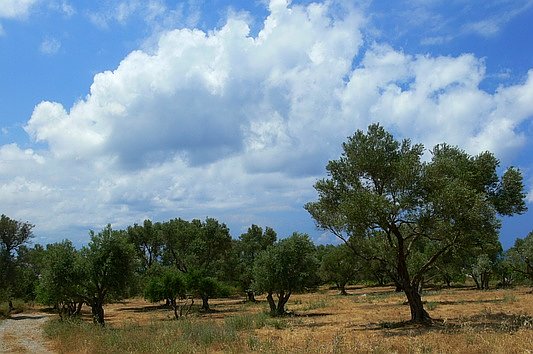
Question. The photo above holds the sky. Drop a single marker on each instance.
(120, 111)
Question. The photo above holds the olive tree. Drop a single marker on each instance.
(106, 267)
(168, 284)
(338, 265)
(287, 266)
(13, 235)
(198, 248)
(520, 256)
(147, 241)
(450, 201)
(59, 284)
(249, 245)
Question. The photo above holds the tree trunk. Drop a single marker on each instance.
(205, 303)
(342, 288)
(478, 286)
(272, 304)
(398, 287)
(175, 308)
(418, 314)
(78, 309)
(98, 312)
(251, 295)
(282, 300)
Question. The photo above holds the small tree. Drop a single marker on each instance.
(288, 266)
(197, 248)
(13, 234)
(520, 256)
(205, 287)
(339, 265)
(249, 245)
(60, 277)
(168, 284)
(107, 265)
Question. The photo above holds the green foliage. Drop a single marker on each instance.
(59, 284)
(13, 235)
(249, 245)
(198, 249)
(168, 284)
(148, 241)
(286, 267)
(339, 265)
(107, 264)
(380, 187)
(28, 268)
(520, 256)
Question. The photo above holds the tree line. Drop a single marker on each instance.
(403, 219)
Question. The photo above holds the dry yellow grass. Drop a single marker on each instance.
(368, 320)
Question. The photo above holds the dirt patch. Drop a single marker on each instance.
(23, 333)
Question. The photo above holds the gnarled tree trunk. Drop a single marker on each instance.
(279, 308)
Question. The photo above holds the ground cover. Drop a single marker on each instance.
(369, 319)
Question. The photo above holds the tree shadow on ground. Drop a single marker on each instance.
(309, 314)
(148, 308)
(458, 302)
(27, 317)
(491, 322)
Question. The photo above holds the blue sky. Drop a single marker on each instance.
(117, 111)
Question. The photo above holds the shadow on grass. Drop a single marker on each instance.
(458, 302)
(309, 314)
(488, 322)
(148, 308)
(27, 317)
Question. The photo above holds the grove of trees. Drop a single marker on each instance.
(403, 216)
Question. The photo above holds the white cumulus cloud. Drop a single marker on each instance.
(231, 125)
(15, 9)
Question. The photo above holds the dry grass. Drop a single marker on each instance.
(368, 320)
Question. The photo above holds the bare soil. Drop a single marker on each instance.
(23, 333)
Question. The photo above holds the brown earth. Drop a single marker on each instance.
(23, 333)
(373, 319)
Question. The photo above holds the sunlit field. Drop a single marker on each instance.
(369, 319)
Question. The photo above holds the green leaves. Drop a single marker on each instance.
(423, 210)
(520, 256)
(509, 197)
(166, 283)
(287, 266)
(108, 262)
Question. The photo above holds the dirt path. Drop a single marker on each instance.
(23, 333)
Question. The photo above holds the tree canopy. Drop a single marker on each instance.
(287, 266)
(381, 186)
(13, 235)
(520, 256)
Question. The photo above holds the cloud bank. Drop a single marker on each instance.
(228, 124)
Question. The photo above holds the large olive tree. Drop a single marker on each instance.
(381, 186)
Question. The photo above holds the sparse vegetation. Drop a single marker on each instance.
(466, 320)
